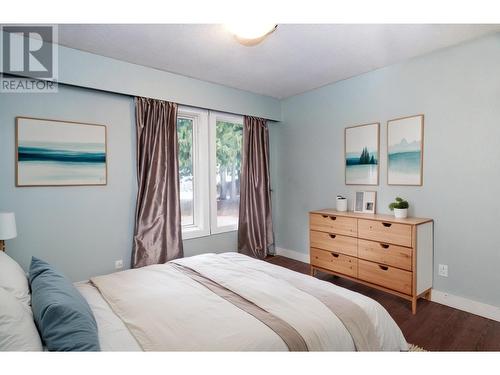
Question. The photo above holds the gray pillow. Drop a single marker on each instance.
(62, 315)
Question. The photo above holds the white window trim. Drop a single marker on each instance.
(201, 165)
(213, 118)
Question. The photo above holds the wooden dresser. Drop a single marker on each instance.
(394, 255)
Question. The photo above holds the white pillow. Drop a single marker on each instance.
(13, 279)
(17, 327)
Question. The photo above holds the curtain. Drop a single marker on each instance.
(255, 229)
(157, 235)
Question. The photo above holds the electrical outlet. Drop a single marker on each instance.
(118, 264)
(443, 270)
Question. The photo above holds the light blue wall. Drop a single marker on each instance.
(81, 230)
(94, 71)
(216, 243)
(458, 90)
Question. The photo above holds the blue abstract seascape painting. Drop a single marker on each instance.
(59, 153)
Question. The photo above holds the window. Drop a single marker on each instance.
(210, 146)
(192, 134)
(226, 133)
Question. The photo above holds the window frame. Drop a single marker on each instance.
(215, 116)
(200, 152)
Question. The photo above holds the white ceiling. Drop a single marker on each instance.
(294, 59)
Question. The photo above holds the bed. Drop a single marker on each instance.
(209, 302)
(231, 302)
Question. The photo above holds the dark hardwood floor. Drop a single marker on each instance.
(435, 327)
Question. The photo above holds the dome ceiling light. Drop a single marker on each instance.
(250, 34)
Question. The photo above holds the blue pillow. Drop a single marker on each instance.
(62, 315)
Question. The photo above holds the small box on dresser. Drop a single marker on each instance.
(393, 255)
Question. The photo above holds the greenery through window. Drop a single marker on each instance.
(185, 142)
(209, 152)
(229, 137)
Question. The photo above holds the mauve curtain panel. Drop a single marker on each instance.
(157, 235)
(255, 229)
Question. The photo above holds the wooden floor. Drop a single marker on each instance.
(435, 327)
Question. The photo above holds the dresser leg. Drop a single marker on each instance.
(414, 306)
(312, 271)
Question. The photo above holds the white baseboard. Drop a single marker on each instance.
(460, 303)
(292, 254)
(473, 307)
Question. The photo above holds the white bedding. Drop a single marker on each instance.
(188, 316)
(113, 334)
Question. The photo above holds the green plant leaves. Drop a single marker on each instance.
(400, 203)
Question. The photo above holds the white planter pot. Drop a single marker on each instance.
(400, 213)
(341, 205)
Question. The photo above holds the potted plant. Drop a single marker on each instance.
(400, 208)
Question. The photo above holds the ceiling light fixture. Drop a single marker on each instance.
(250, 34)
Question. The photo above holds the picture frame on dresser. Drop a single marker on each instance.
(392, 255)
(365, 202)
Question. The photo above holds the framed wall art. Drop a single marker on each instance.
(60, 153)
(361, 149)
(405, 150)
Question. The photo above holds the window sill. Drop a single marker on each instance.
(193, 234)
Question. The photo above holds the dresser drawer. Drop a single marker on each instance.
(386, 232)
(386, 276)
(335, 262)
(334, 224)
(392, 255)
(334, 242)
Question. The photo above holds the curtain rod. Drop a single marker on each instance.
(129, 95)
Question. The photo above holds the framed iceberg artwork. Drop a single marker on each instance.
(405, 149)
(60, 153)
(361, 147)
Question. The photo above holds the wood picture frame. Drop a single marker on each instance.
(362, 154)
(53, 153)
(405, 151)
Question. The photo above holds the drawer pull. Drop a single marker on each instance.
(335, 255)
(385, 268)
(384, 245)
(333, 217)
(387, 225)
(333, 236)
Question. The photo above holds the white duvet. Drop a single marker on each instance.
(160, 308)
